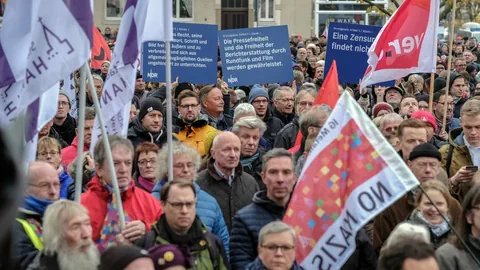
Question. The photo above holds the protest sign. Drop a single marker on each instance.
(256, 55)
(342, 186)
(194, 53)
(348, 45)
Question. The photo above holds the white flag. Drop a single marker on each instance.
(69, 89)
(142, 21)
(40, 44)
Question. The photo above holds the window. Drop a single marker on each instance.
(115, 8)
(266, 10)
(182, 9)
(235, 4)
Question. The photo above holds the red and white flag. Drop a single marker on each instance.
(406, 44)
(351, 175)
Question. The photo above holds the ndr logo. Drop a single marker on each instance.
(152, 74)
(232, 79)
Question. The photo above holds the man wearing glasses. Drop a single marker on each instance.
(63, 123)
(180, 225)
(43, 188)
(283, 101)
(192, 124)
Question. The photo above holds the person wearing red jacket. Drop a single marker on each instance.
(141, 209)
(69, 153)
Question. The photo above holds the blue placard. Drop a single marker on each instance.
(348, 45)
(193, 55)
(256, 55)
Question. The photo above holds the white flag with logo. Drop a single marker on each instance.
(41, 42)
(69, 89)
(142, 21)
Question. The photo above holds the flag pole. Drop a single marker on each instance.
(108, 151)
(81, 131)
(430, 95)
(449, 65)
(168, 76)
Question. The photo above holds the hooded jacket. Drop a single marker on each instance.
(230, 198)
(193, 134)
(137, 134)
(247, 224)
(137, 204)
(460, 157)
(208, 211)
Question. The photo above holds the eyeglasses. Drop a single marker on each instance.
(144, 162)
(260, 101)
(51, 153)
(46, 186)
(188, 106)
(390, 129)
(62, 103)
(286, 100)
(180, 205)
(181, 166)
(274, 248)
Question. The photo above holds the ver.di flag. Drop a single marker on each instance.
(351, 175)
(40, 44)
(100, 50)
(406, 44)
(143, 20)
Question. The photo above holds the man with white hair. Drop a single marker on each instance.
(247, 110)
(43, 188)
(283, 101)
(186, 162)
(250, 130)
(67, 238)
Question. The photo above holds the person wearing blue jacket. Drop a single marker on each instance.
(186, 162)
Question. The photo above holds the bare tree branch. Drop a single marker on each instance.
(386, 12)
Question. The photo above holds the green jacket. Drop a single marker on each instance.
(460, 157)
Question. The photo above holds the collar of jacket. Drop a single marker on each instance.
(140, 131)
(455, 138)
(96, 186)
(69, 124)
(201, 121)
(261, 198)
(195, 235)
(213, 173)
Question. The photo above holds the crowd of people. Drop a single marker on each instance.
(236, 161)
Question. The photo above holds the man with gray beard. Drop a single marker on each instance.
(67, 239)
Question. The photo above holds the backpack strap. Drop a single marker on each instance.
(148, 241)
(213, 250)
(36, 240)
(449, 159)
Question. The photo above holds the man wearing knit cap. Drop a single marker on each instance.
(424, 161)
(63, 123)
(171, 257)
(125, 257)
(148, 124)
(259, 99)
(381, 109)
(431, 126)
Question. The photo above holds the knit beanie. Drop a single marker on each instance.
(65, 94)
(182, 86)
(168, 255)
(439, 84)
(425, 150)
(426, 117)
(150, 104)
(257, 91)
(381, 106)
(119, 257)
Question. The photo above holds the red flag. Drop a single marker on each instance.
(100, 50)
(328, 94)
(343, 186)
(406, 44)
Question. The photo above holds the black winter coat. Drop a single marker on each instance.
(137, 134)
(364, 257)
(285, 118)
(44, 262)
(274, 125)
(23, 250)
(247, 224)
(67, 129)
(287, 135)
(230, 198)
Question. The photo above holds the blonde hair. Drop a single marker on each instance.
(54, 220)
(433, 185)
(470, 108)
(48, 143)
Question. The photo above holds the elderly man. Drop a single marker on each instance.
(148, 125)
(258, 97)
(50, 151)
(67, 238)
(424, 161)
(98, 83)
(250, 130)
(283, 101)
(247, 110)
(193, 125)
(460, 64)
(267, 206)
(211, 99)
(393, 96)
(274, 236)
(408, 106)
(140, 208)
(70, 153)
(462, 152)
(63, 123)
(224, 178)
(181, 226)
(287, 136)
(389, 124)
(43, 188)
(186, 162)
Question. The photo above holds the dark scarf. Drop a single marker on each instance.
(247, 162)
(35, 204)
(191, 239)
(68, 125)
